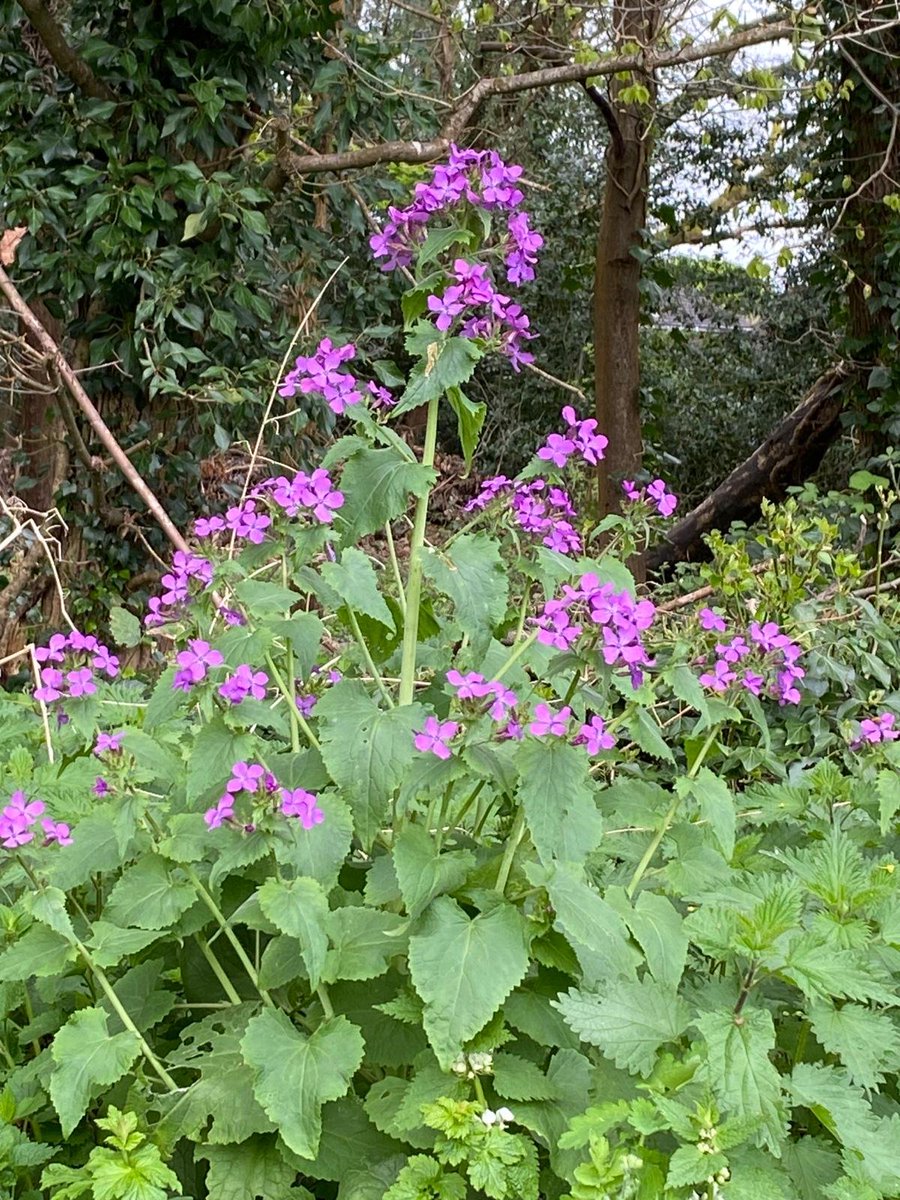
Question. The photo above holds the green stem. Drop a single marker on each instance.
(122, 1013)
(512, 844)
(517, 653)
(414, 576)
(395, 567)
(297, 718)
(217, 968)
(642, 866)
(222, 920)
(466, 805)
(292, 687)
(325, 1001)
(373, 670)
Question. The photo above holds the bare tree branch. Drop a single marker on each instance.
(81, 398)
(766, 30)
(67, 60)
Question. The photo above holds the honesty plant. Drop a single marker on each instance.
(453, 868)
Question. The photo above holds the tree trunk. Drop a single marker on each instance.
(790, 454)
(617, 276)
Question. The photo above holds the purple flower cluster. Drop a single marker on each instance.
(581, 438)
(244, 682)
(435, 737)
(194, 664)
(619, 618)
(307, 701)
(770, 661)
(177, 587)
(488, 313)
(319, 374)
(17, 821)
(477, 177)
(473, 686)
(537, 507)
(593, 735)
(84, 655)
(876, 729)
(254, 780)
(665, 501)
(312, 495)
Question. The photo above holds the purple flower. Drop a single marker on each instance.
(546, 721)
(877, 729)
(666, 502)
(710, 620)
(108, 743)
(557, 449)
(468, 687)
(244, 682)
(594, 736)
(81, 682)
(56, 831)
(245, 777)
(104, 661)
(195, 662)
(231, 616)
(513, 731)
(222, 811)
(55, 649)
(720, 677)
(631, 491)
(208, 526)
(381, 396)
(302, 804)
(504, 701)
(305, 704)
(17, 819)
(435, 736)
(101, 787)
(51, 685)
(752, 682)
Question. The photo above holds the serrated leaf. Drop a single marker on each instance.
(296, 1075)
(469, 421)
(690, 1165)
(716, 806)
(36, 954)
(138, 993)
(472, 573)
(658, 929)
(215, 749)
(518, 1079)
(124, 627)
(421, 873)
(148, 895)
(464, 968)
(378, 485)
(353, 578)
(253, 1170)
(644, 730)
(364, 940)
(558, 800)
(160, 761)
(87, 1058)
(96, 846)
(594, 929)
(319, 852)
(867, 1042)
(629, 1022)
(447, 363)
(887, 788)
(739, 1070)
(109, 944)
(299, 908)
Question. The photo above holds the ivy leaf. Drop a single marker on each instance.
(472, 573)
(421, 873)
(87, 1058)
(299, 908)
(355, 581)
(377, 485)
(364, 941)
(464, 968)
(296, 1075)
(253, 1170)
(629, 1022)
(148, 897)
(739, 1070)
(367, 751)
(36, 954)
(558, 800)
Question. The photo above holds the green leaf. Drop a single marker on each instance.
(296, 1075)
(194, 223)
(318, 852)
(165, 701)
(469, 421)
(716, 806)
(253, 1170)
(355, 581)
(159, 761)
(867, 1042)
(887, 789)
(96, 846)
(424, 1177)
(215, 750)
(124, 627)
(629, 1022)
(558, 800)
(36, 954)
(109, 944)
(421, 873)
(472, 573)
(299, 908)
(303, 634)
(739, 1070)
(367, 751)
(658, 929)
(364, 940)
(265, 598)
(518, 1079)
(690, 1165)
(87, 1058)
(139, 995)
(594, 929)
(439, 240)
(377, 485)
(819, 969)
(447, 363)
(464, 968)
(148, 896)
(643, 729)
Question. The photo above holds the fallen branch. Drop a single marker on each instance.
(81, 398)
(790, 454)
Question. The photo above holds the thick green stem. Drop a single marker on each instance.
(414, 577)
(232, 937)
(667, 820)
(370, 662)
(512, 844)
(217, 969)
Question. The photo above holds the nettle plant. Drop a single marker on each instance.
(458, 870)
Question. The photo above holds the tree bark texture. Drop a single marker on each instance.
(790, 454)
